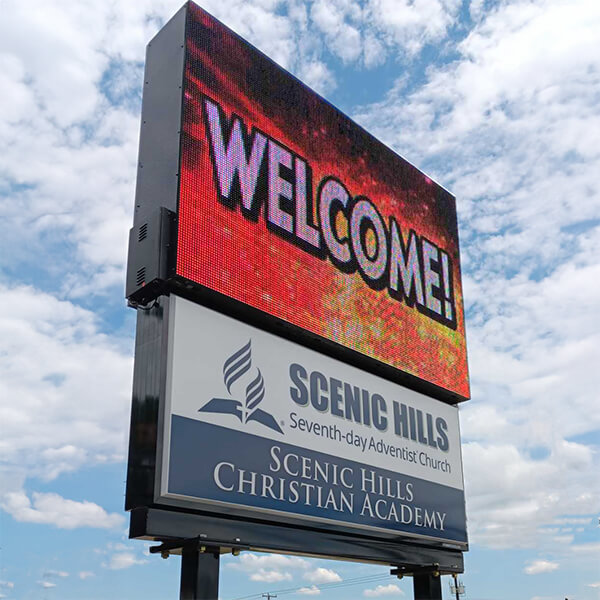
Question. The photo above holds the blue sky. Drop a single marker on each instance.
(497, 100)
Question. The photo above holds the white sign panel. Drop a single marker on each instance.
(258, 422)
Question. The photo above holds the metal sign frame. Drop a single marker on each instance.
(407, 445)
(155, 520)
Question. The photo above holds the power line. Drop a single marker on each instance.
(343, 584)
(357, 580)
(323, 587)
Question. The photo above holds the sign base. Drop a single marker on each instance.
(232, 534)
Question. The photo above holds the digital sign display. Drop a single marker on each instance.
(289, 207)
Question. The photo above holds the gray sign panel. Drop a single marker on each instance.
(257, 425)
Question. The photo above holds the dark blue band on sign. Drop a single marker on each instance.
(208, 462)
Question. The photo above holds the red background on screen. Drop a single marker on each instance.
(221, 250)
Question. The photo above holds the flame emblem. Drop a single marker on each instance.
(234, 369)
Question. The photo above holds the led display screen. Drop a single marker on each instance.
(288, 206)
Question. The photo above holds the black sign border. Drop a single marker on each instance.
(237, 527)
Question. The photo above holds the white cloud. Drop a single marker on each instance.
(410, 24)
(85, 574)
(71, 170)
(7, 585)
(316, 75)
(47, 584)
(589, 548)
(269, 568)
(313, 590)
(62, 161)
(540, 566)
(249, 562)
(123, 560)
(270, 575)
(339, 22)
(52, 573)
(368, 33)
(509, 496)
(64, 388)
(52, 509)
(374, 51)
(322, 575)
(384, 590)
(508, 126)
(272, 568)
(257, 22)
(573, 521)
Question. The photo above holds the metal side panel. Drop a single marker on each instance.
(158, 165)
(157, 185)
(148, 391)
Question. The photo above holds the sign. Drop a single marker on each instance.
(288, 206)
(255, 424)
(270, 230)
(284, 212)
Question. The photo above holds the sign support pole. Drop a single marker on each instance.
(199, 574)
(427, 586)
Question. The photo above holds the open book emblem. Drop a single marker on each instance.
(234, 368)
